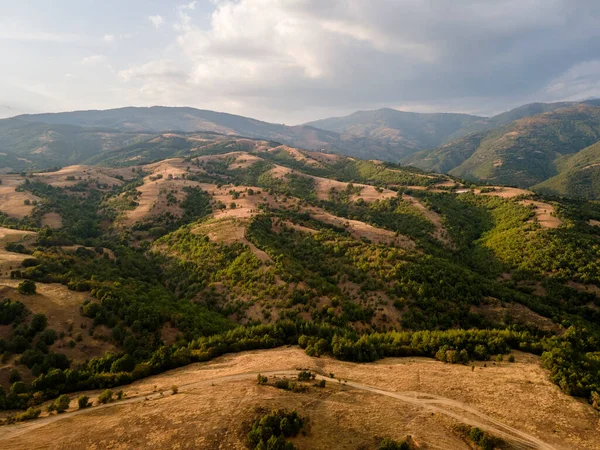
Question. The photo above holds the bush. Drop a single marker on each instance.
(511, 358)
(174, 389)
(261, 379)
(14, 376)
(270, 430)
(26, 287)
(106, 397)
(61, 404)
(305, 375)
(30, 414)
(390, 444)
(83, 402)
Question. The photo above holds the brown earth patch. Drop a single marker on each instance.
(71, 175)
(497, 311)
(361, 230)
(12, 203)
(52, 220)
(505, 192)
(544, 213)
(9, 260)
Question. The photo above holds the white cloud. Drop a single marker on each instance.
(109, 38)
(92, 60)
(156, 20)
(190, 5)
(37, 36)
(163, 69)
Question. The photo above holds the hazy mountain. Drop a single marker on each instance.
(403, 133)
(523, 153)
(159, 118)
(37, 145)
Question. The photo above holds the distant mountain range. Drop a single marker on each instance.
(523, 147)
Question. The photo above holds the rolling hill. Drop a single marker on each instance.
(578, 177)
(160, 119)
(195, 245)
(41, 141)
(523, 153)
(25, 145)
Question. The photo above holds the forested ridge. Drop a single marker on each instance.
(407, 268)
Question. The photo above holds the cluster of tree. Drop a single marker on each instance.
(269, 430)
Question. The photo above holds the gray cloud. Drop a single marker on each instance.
(295, 60)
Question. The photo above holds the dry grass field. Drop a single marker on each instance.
(365, 402)
(12, 203)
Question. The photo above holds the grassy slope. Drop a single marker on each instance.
(579, 175)
(523, 153)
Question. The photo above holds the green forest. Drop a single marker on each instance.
(326, 290)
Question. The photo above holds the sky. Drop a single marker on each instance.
(291, 61)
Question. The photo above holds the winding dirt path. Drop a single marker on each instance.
(435, 404)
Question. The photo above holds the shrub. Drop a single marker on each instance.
(283, 384)
(106, 397)
(83, 402)
(390, 444)
(174, 389)
(26, 287)
(511, 358)
(261, 379)
(305, 375)
(61, 404)
(14, 376)
(30, 414)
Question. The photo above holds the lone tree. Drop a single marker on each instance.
(26, 287)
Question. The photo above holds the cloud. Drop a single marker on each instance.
(157, 20)
(37, 36)
(190, 5)
(109, 38)
(162, 70)
(309, 55)
(93, 60)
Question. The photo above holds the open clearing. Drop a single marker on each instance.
(544, 213)
(71, 175)
(391, 398)
(505, 192)
(11, 260)
(12, 203)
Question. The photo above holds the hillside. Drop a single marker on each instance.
(523, 153)
(435, 404)
(26, 145)
(579, 175)
(401, 133)
(168, 255)
(41, 141)
(161, 119)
